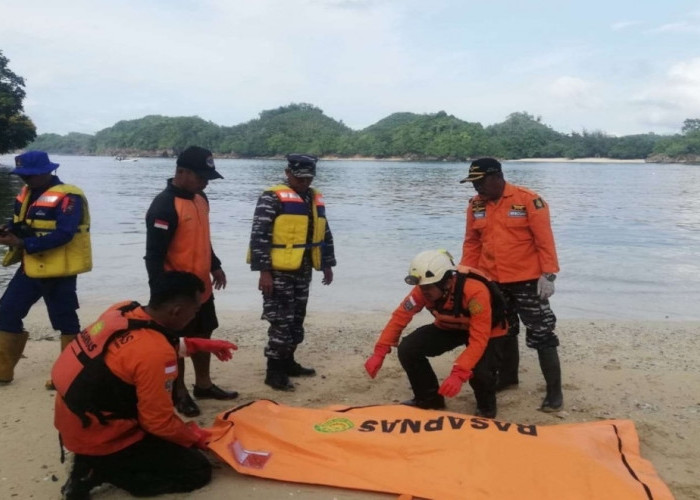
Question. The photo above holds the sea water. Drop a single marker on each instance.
(627, 235)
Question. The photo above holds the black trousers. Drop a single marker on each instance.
(152, 466)
(429, 341)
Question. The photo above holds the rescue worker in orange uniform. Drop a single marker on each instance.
(509, 237)
(114, 409)
(178, 238)
(460, 299)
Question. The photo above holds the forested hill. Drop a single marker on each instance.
(305, 128)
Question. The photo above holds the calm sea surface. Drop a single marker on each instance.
(628, 235)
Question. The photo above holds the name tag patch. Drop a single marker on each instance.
(517, 211)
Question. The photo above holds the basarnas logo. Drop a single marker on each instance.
(96, 328)
(334, 425)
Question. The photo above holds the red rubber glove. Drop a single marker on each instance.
(222, 349)
(374, 363)
(203, 435)
(453, 384)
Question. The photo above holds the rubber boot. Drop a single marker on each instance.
(65, 340)
(551, 369)
(508, 371)
(11, 349)
(276, 376)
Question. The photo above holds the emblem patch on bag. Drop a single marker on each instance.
(334, 425)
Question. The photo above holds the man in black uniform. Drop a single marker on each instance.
(178, 239)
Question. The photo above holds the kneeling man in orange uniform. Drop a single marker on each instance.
(468, 311)
(114, 409)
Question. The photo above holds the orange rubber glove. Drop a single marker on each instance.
(203, 435)
(222, 349)
(453, 384)
(374, 363)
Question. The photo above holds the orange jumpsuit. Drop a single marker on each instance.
(510, 239)
(142, 358)
(477, 326)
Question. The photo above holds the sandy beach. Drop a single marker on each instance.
(643, 371)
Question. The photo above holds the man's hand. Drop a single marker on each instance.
(375, 361)
(203, 435)
(10, 240)
(222, 349)
(327, 276)
(265, 284)
(218, 279)
(453, 384)
(545, 287)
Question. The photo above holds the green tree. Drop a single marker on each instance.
(691, 125)
(523, 135)
(16, 129)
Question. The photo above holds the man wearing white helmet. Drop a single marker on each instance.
(468, 310)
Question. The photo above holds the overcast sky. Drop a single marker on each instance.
(623, 67)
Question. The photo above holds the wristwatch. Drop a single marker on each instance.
(550, 276)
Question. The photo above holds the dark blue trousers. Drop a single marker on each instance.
(23, 292)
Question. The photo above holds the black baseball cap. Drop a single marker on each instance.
(200, 161)
(481, 168)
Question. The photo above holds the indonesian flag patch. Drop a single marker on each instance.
(161, 224)
(170, 367)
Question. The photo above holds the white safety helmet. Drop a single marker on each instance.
(429, 267)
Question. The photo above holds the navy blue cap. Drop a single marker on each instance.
(302, 165)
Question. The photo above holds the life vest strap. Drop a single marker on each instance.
(301, 245)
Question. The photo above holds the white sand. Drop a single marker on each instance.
(644, 371)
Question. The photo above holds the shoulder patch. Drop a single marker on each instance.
(408, 304)
(474, 307)
(161, 224)
(538, 202)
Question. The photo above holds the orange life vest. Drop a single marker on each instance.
(81, 376)
(190, 247)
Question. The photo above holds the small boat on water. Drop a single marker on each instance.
(124, 158)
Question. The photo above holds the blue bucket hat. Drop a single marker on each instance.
(33, 163)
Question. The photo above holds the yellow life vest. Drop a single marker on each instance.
(74, 257)
(290, 230)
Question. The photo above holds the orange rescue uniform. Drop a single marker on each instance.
(142, 358)
(510, 239)
(476, 300)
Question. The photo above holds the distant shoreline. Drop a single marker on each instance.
(133, 155)
(577, 160)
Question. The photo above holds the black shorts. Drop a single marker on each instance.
(204, 323)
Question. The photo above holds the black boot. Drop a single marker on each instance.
(82, 479)
(508, 371)
(485, 405)
(551, 369)
(434, 402)
(294, 369)
(276, 376)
